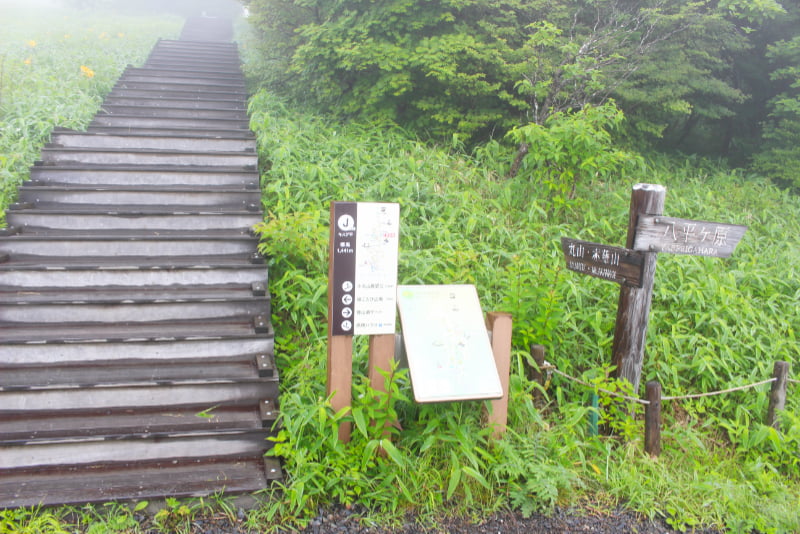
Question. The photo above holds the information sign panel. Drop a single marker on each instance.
(449, 353)
(603, 261)
(364, 268)
(683, 236)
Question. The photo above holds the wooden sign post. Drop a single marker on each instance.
(634, 267)
(362, 294)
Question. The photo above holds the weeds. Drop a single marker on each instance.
(713, 324)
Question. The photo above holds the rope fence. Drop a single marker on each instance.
(652, 439)
(552, 368)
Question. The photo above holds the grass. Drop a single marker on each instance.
(715, 324)
(56, 66)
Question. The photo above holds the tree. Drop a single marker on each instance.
(780, 155)
(439, 67)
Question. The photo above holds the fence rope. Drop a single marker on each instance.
(549, 367)
(552, 368)
(712, 393)
(793, 381)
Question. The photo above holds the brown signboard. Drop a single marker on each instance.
(683, 236)
(364, 248)
(602, 261)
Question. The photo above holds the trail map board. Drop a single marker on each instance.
(449, 354)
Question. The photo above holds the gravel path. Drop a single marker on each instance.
(342, 521)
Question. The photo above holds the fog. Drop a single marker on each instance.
(212, 8)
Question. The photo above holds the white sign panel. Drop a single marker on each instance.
(449, 354)
(377, 242)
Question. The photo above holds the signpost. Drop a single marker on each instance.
(602, 261)
(446, 337)
(649, 232)
(362, 289)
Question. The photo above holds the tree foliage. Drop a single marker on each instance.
(697, 76)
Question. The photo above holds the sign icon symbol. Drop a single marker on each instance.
(347, 312)
(347, 300)
(347, 286)
(346, 223)
(347, 325)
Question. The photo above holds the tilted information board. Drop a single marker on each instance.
(449, 353)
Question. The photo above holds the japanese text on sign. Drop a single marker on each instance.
(682, 236)
(364, 256)
(603, 261)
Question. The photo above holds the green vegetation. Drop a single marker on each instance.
(715, 324)
(717, 79)
(56, 66)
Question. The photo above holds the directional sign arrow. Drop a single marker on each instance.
(617, 264)
(683, 236)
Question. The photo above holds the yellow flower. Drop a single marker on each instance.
(86, 71)
(104, 35)
(67, 36)
(120, 35)
(31, 43)
(27, 61)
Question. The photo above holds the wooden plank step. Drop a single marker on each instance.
(135, 121)
(155, 87)
(134, 372)
(165, 349)
(179, 112)
(175, 196)
(137, 481)
(147, 91)
(127, 156)
(176, 103)
(201, 70)
(17, 333)
(196, 45)
(228, 63)
(128, 294)
(137, 309)
(30, 425)
(93, 140)
(165, 247)
(190, 80)
(165, 395)
(103, 218)
(143, 176)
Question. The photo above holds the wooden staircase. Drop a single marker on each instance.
(136, 350)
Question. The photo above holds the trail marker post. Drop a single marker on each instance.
(362, 294)
(633, 267)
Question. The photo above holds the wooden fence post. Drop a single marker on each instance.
(652, 419)
(633, 312)
(777, 396)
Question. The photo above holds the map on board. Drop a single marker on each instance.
(449, 354)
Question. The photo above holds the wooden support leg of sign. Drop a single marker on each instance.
(381, 354)
(499, 324)
(340, 377)
(633, 312)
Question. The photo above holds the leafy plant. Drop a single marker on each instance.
(31, 521)
(175, 516)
